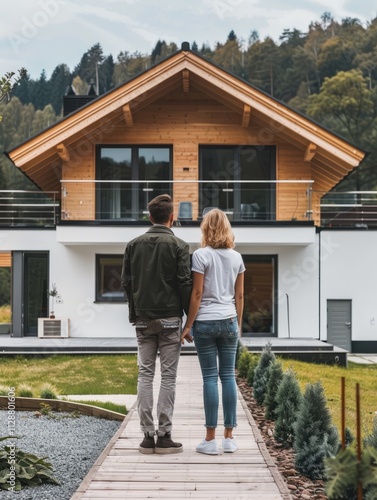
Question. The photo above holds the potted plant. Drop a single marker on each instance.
(53, 293)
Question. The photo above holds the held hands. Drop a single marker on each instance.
(186, 335)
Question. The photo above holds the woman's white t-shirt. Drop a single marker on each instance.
(220, 267)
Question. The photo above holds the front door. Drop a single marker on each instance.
(339, 325)
(30, 285)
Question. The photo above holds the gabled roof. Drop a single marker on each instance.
(40, 157)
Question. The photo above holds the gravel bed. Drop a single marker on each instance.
(72, 445)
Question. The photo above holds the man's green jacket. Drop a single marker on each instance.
(156, 275)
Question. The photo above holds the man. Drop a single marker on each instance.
(156, 277)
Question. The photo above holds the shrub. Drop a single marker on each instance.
(315, 436)
(243, 362)
(261, 373)
(288, 399)
(4, 391)
(344, 472)
(24, 391)
(275, 377)
(371, 440)
(48, 391)
(254, 360)
(30, 469)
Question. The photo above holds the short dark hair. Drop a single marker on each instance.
(160, 208)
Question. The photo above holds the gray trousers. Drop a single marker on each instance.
(153, 336)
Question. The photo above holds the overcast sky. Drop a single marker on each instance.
(40, 34)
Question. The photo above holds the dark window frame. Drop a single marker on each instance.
(233, 172)
(135, 187)
(100, 290)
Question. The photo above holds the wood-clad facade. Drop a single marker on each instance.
(187, 103)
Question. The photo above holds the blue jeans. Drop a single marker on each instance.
(218, 339)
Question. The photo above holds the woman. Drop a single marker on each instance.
(215, 314)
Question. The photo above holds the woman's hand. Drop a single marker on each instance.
(186, 335)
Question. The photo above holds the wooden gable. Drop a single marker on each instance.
(177, 96)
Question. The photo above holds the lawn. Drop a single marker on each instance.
(117, 374)
(330, 377)
(71, 374)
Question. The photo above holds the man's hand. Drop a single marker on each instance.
(186, 335)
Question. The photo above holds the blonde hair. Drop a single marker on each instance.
(216, 230)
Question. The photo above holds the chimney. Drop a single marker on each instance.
(72, 101)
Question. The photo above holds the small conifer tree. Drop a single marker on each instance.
(243, 362)
(288, 399)
(262, 373)
(276, 375)
(254, 360)
(315, 436)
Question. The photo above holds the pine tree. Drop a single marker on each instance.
(315, 436)
(261, 373)
(288, 399)
(276, 375)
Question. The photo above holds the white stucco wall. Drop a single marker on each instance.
(72, 268)
(350, 272)
(347, 265)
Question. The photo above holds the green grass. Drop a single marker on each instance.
(107, 405)
(330, 377)
(5, 314)
(71, 374)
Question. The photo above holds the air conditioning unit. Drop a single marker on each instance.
(53, 328)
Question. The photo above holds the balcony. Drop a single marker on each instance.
(348, 209)
(25, 208)
(247, 203)
(244, 201)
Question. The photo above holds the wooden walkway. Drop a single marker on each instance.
(121, 472)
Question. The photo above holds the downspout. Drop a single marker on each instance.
(288, 322)
(319, 283)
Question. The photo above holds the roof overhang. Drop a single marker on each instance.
(331, 156)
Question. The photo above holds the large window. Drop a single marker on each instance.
(108, 276)
(118, 199)
(240, 200)
(260, 306)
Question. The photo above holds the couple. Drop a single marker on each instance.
(157, 280)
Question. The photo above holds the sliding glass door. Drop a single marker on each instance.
(144, 166)
(224, 166)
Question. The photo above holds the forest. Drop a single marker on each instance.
(328, 73)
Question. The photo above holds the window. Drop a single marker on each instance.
(118, 199)
(242, 200)
(260, 306)
(108, 276)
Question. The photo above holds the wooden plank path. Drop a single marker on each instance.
(121, 472)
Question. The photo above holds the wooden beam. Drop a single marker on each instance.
(63, 152)
(186, 80)
(310, 152)
(127, 115)
(246, 115)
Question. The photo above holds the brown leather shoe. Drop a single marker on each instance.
(147, 446)
(165, 445)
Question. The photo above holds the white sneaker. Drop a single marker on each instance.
(229, 445)
(208, 447)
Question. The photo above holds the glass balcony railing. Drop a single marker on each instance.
(241, 200)
(29, 208)
(348, 208)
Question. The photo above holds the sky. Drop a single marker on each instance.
(40, 34)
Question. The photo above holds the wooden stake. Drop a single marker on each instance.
(343, 411)
(358, 438)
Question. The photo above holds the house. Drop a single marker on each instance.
(187, 127)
